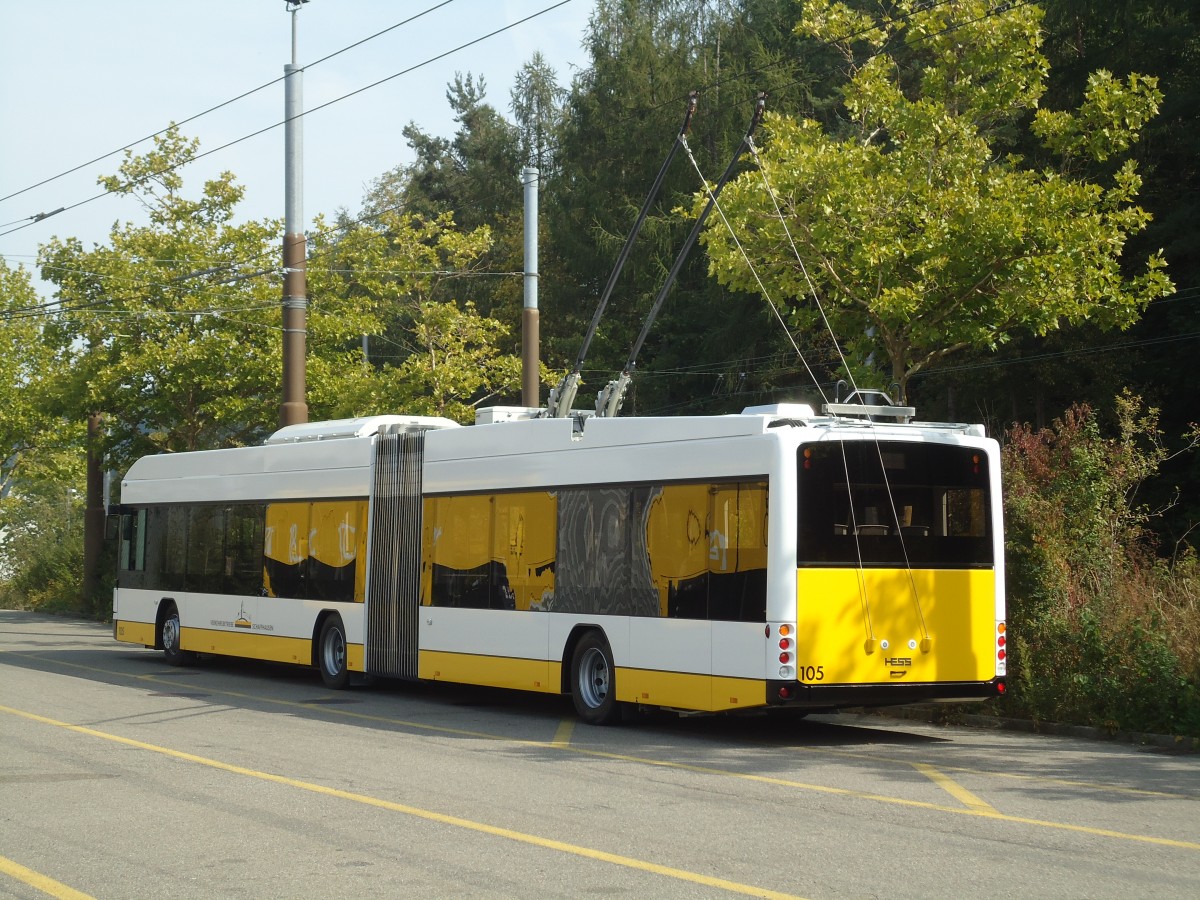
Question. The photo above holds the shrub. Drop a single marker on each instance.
(43, 551)
(1104, 631)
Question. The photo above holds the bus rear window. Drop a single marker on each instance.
(891, 503)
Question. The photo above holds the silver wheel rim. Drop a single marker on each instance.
(334, 652)
(593, 678)
(170, 634)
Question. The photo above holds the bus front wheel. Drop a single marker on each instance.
(331, 654)
(169, 636)
(593, 683)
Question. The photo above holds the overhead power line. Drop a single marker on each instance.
(213, 109)
(307, 112)
(635, 114)
(711, 86)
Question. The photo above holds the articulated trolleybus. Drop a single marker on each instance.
(775, 558)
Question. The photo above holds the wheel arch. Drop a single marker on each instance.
(314, 645)
(164, 604)
(572, 641)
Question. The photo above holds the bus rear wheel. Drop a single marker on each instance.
(169, 636)
(331, 654)
(593, 682)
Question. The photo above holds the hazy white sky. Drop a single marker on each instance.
(79, 79)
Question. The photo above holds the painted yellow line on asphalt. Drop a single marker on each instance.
(41, 882)
(897, 801)
(956, 790)
(992, 773)
(441, 818)
(671, 764)
(562, 737)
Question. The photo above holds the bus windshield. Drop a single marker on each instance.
(893, 503)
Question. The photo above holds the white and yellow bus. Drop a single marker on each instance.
(772, 558)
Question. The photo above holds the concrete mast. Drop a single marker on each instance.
(294, 408)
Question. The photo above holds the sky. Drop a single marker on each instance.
(81, 79)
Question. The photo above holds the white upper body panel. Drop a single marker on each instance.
(334, 459)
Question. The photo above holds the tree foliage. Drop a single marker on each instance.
(622, 114)
(392, 281)
(474, 175)
(913, 229)
(40, 476)
(537, 108)
(30, 375)
(172, 329)
(166, 335)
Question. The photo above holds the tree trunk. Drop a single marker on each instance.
(93, 514)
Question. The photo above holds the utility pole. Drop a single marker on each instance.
(294, 409)
(94, 513)
(530, 324)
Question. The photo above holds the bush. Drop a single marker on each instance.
(1104, 631)
(43, 552)
(49, 581)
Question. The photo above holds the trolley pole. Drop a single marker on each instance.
(294, 409)
(530, 339)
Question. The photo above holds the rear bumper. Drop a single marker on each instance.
(820, 696)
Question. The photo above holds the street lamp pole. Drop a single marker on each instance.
(294, 409)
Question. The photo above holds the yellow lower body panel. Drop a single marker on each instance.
(681, 690)
(492, 671)
(870, 626)
(247, 645)
(675, 689)
(135, 633)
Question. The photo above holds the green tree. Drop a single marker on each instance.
(41, 542)
(913, 229)
(473, 177)
(537, 108)
(30, 375)
(171, 330)
(622, 114)
(41, 463)
(393, 280)
(1160, 38)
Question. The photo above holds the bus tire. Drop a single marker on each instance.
(331, 653)
(170, 635)
(593, 681)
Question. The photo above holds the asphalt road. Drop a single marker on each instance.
(121, 777)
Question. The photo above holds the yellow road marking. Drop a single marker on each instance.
(897, 801)
(670, 764)
(562, 737)
(991, 773)
(41, 882)
(429, 815)
(956, 790)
